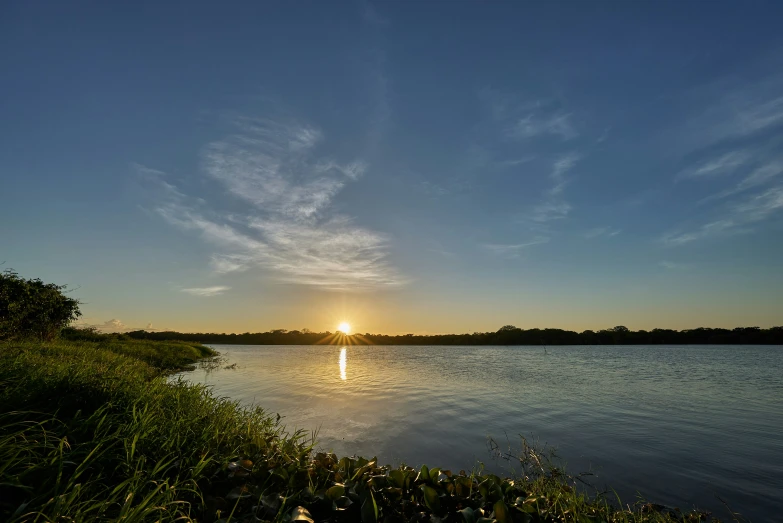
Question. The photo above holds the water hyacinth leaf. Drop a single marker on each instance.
(343, 503)
(392, 493)
(379, 481)
(335, 492)
(301, 514)
(467, 515)
(363, 469)
(397, 477)
(424, 474)
(434, 474)
(271, 502)
(346, 465)
(484, 489)
(496, 492)
(431, 498)
(463, 486)
(369, 510)
(501, 512)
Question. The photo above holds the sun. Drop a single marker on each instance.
(344, 327)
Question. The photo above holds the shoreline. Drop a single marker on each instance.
(93, 430)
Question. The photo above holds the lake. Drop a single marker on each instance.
(678, 424)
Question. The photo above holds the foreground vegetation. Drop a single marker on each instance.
(507, 335)
(95, 431)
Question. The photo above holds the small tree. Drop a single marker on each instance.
(33, 309)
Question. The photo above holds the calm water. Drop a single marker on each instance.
(678, 424)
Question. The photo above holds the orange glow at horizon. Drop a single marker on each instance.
(344, 327)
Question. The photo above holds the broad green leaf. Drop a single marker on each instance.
(369, 510)
(379, 481)
(501, 512)
(343, 503)
(431, 498)
(397, 478)
(335, 492)
(424, 474)
(484, 489)
(467, 515)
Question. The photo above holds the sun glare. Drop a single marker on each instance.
(344, 327)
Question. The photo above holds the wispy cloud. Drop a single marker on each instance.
(290, 228)
(760, 175)
(722, 165)
(513, 133)
(601, 232)
(269, 166)
(206, 291)
(431, 188)
(523, 118)
(554, 206)
(514, 162)
(740, 217)
(543, 123)
(735, 112)
(548, 211)
(561, 166)
(112, 326)
(742, 122)
(512, 250)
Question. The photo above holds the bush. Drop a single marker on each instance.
(33, 309)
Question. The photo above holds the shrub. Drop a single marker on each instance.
(33, 309)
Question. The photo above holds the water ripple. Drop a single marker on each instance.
(678, 424)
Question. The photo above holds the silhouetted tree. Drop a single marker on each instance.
(33, 309)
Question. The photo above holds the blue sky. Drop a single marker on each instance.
(405, 166)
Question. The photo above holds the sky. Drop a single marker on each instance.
(407, 167)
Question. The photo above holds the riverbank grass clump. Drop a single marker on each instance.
(96, 431)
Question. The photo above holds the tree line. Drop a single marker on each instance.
(30, 308)
(507, 335)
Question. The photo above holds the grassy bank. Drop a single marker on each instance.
(92, 430)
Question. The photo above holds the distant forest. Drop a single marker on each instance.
(508, 335)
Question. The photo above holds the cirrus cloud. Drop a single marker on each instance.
(288, 227)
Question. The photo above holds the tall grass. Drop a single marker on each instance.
(94, 431)
(89, 432)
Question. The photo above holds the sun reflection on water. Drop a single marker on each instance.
(343, 362)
